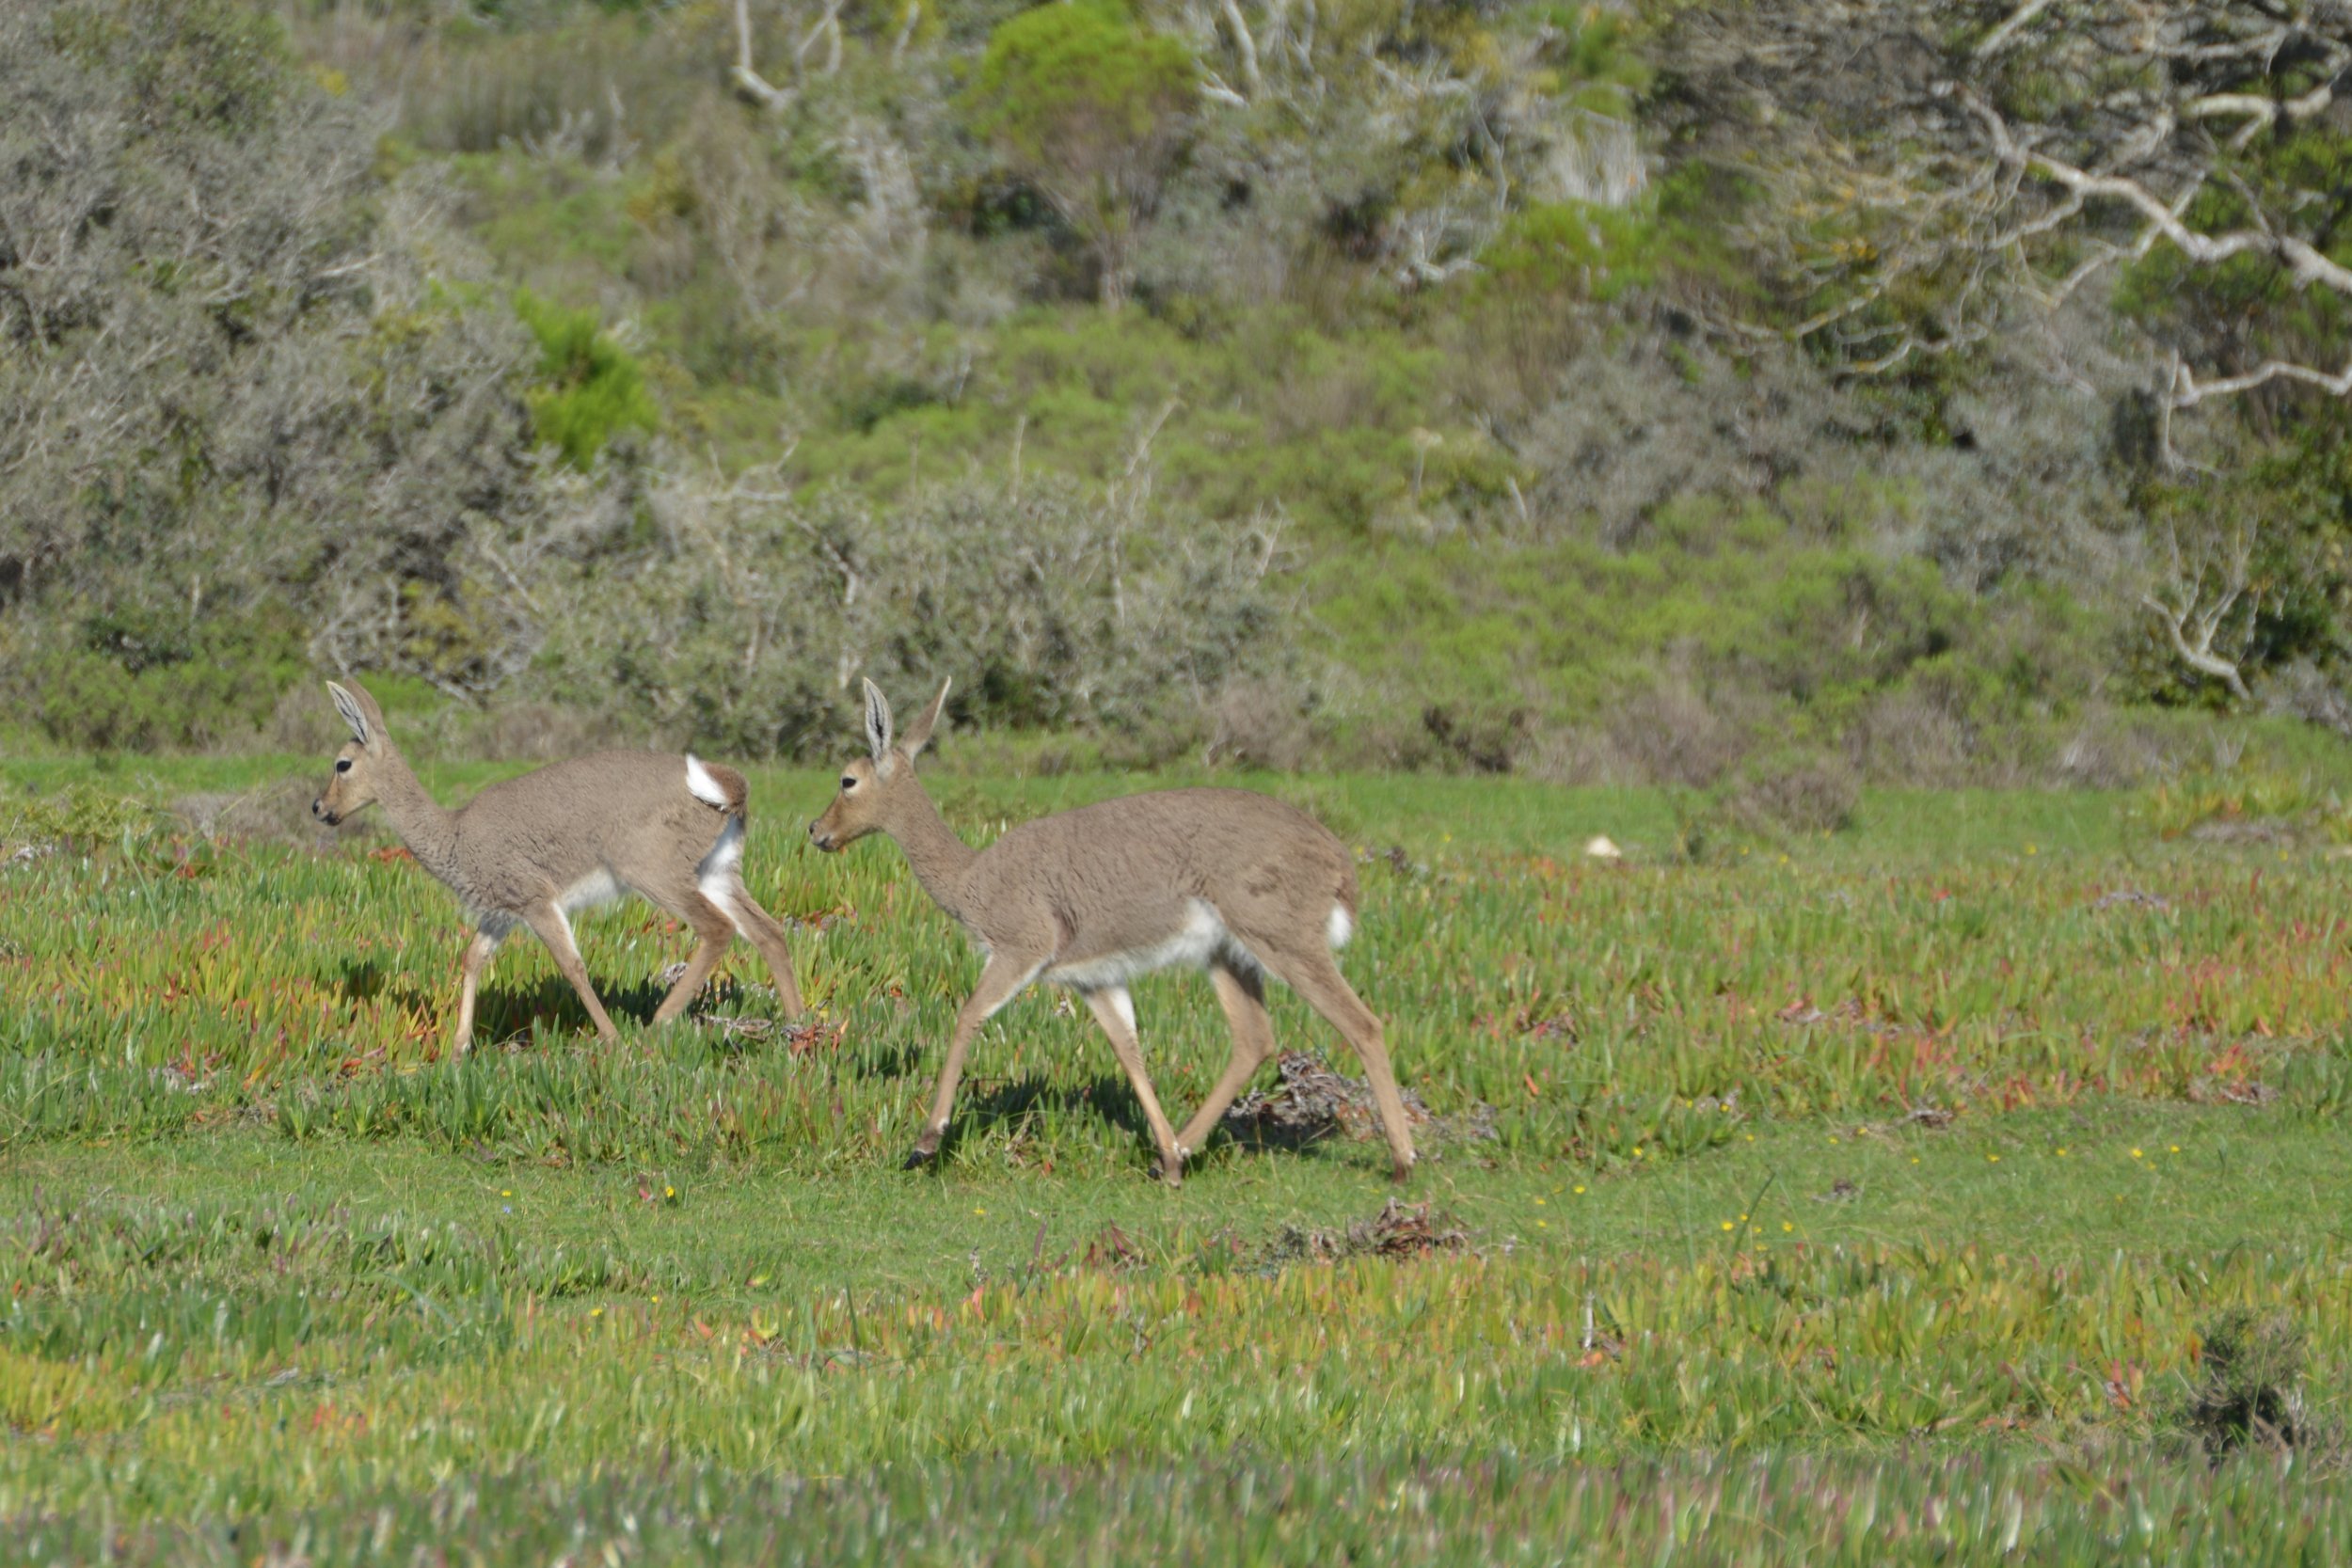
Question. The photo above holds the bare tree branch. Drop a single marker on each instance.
(2200, 598)
(2073, 137)
(747, 80)
(1249, 47)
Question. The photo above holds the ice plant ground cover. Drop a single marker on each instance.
(1873, 1197)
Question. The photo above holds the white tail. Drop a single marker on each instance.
(533, 850)
(1221, 879)
(703, 787)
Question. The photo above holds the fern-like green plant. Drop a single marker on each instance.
(590, 387)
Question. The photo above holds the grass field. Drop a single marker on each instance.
(1864, 1198)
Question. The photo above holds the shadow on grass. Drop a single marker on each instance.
(1005, 1105)
(505, 1013)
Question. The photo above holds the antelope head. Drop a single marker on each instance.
(352, 784)
(876, 789)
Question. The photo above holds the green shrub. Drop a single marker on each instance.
(1795, 792)
(590, 388)
(81, 815)
(142, 681)
(1044, 605)
(1088, 107)
(1565, 251)
(1590, 55)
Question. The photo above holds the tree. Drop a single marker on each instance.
(1090, 110)
(1948, 160)
(1944, 170)
(250, 397)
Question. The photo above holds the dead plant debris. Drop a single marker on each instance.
(1399, 1230)
(1313, 1103)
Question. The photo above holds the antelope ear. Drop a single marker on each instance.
(878, 725)
(348, 705)
(919, 733)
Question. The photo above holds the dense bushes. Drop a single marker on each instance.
(244, 406)
(133, 685)
(749, 622)
(520, 353)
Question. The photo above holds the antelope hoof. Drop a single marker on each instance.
(921, 1155)
(1170, 1171)
(1402, 1171)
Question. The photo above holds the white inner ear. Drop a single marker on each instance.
(349, 709)
(876, 725)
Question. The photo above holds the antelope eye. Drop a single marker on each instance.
(849, 783)
(342, 765)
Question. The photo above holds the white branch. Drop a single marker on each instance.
(2187, 389)
(2200, 656)
(2305, 262)
(2196, 619)
(827, 27)
(748, 80)
(1246, 44)
(1998, 38)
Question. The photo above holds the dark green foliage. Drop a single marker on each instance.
(2287, 506)
(2260, 309)
(147, 681)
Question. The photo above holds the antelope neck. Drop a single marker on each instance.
(938, 858)
(428, 830)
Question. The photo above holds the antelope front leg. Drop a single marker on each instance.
(477, 957)
(1000, 982)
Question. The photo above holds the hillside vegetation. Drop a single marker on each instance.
(1660, 393)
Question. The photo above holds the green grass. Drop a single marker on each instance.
(269, 1265)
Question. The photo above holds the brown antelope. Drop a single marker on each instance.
(531, 850)
(1222, 880)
